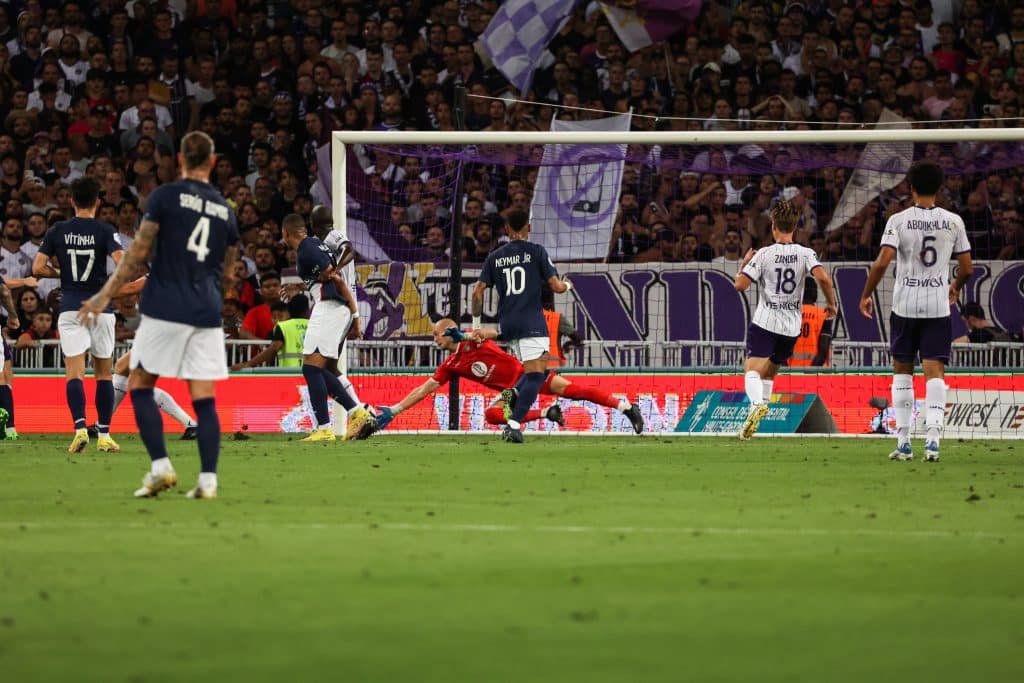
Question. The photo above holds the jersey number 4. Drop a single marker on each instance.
(89, 254)
(515, 280)
(198, 239)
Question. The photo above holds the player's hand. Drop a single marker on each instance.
(30, 282)
(355, 331)
(830, 311)
(326, 274)
(746, 257)
(92, 308)
(478, 336)
(384, 416)
(455, 334)
(954, 295)
(239, 366)
(867, 307)
(13, 322)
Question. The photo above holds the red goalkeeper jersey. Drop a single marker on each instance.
(485, 363)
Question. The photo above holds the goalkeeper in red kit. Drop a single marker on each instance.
(484, 362)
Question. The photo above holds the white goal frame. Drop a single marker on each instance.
(876, 133)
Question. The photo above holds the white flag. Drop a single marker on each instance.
(519, 33)
(881, 167)
(576, 196)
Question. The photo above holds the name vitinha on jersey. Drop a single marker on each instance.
(200, 205)
(73, 240)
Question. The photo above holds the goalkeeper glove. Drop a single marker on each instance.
(455, 334)
(384, 416)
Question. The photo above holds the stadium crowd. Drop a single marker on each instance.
(107, 88)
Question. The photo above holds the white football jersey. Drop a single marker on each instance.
(780, 271)
(925, 240)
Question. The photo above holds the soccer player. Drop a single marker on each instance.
(334, 313)
(164, 401)
(190, 235)
(923, 239)
(81, 246)
(322, 226)
(517, 271)
(7, 430)
(485, 363)
(779, 271)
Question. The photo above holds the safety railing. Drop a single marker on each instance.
(405, 354)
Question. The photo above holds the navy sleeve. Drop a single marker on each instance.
(487, 272)
(113, 244)
(233, 236)
(49, 246)
(154, 207)
(547, 268)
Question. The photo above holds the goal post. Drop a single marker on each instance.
(658, 319)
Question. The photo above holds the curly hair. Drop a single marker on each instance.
(784, 216)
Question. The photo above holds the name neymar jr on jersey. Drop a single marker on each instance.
(199, 205)
(505, 261)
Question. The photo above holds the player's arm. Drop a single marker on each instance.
(41, 266)
(825, 285)
(350, 299)
(127, 270)
(18, 282)
(227, 278)
(875, 275)
(483, 334)
(965, 266)
(477, 307)
(744, 280)
(8, 303)
(558, 285)
(388, 413)
(824, 342)
(263, 357)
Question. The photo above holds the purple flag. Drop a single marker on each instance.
(640, 23)
(519, 33)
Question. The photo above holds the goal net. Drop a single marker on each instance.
(650, 226)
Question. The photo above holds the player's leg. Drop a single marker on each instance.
(495, 414)
(935, 346)
(533, 353)
(903, 348)
(204, 363)
(760, 348)
(207, 437)
(7, 430)
(560, 386)
(160, 348)
(316, 383)
(102, 334)
(164, 401)
(361, 419)
(75, 341)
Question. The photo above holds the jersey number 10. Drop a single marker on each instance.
(515, 280)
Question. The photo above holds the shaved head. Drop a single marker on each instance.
(441, 325)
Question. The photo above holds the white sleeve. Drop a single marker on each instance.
(962, 244)
(753, 267)
(891, 236)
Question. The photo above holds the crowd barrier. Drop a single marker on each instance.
(979, 405)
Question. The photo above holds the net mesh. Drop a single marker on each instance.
(651, 237)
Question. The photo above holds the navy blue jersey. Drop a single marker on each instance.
(313, 257)
(81, 246)
(518, 271)
(187, 262)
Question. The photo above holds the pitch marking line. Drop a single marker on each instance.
(514, 528)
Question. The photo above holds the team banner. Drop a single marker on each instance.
(663, 302)
(978, 405)
(577, 192)
(881, 167)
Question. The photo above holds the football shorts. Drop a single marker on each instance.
(97, 337)
(171, 349)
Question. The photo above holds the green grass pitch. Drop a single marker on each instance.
(468, 559)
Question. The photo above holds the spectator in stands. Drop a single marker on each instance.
(259, 322)
(981, 330)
